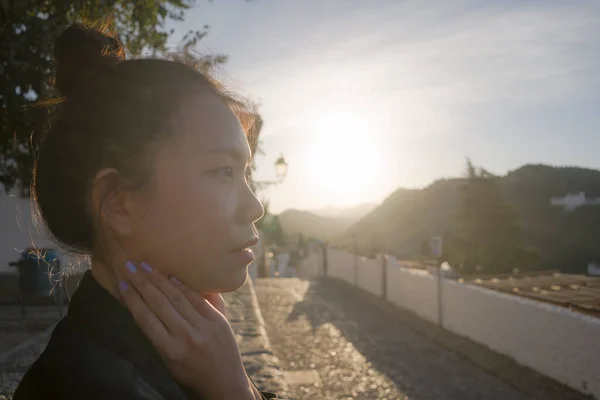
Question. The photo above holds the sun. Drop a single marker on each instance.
(344, 157)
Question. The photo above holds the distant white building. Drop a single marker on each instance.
(572, 201)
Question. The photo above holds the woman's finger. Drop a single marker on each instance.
(156, 301)
(143, 316)
(173, 294)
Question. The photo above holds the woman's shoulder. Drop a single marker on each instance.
(71, 365)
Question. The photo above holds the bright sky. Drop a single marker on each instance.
(363, 97)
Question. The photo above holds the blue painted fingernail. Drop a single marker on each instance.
(123, 286)
(129, 265)
(146, 267)
(175, 280)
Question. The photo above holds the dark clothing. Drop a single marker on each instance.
(98, 352)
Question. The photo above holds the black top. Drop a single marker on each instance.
(98, 352)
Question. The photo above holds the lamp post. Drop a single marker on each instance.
(281, 169)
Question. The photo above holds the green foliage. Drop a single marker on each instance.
(274, 234)
(27, 32)
(486, 233)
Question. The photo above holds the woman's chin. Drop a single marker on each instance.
(235, 281)
(241, 280)
(223, 283)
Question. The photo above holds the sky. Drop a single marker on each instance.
(364, 97)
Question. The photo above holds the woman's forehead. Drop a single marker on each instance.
(207, 125)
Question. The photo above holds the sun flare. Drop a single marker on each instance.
(344, 160)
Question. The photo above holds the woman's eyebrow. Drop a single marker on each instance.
(233, 152)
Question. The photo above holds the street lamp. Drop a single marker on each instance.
(281, 169)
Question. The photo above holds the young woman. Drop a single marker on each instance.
(145, 170)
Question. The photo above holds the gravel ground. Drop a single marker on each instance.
(360, 351)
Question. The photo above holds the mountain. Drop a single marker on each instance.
(565, 240)
(350, 213)
(309, 224)
(325, 223)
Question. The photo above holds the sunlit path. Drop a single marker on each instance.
(359, 352)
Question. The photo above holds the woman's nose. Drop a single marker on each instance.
(257, 209)
(253, 209)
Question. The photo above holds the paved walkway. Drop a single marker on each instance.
(358, 351)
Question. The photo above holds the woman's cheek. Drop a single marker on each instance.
(219, 201)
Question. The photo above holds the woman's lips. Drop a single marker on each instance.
(244, 256)
(243, 253)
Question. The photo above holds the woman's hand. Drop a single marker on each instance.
(191, 335)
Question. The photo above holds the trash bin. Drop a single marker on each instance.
(39, 274)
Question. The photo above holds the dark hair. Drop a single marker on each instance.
(115, 110)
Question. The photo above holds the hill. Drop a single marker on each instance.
(353, 213)
(565, 240)
(309, 224)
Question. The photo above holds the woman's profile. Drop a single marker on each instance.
(145, 170)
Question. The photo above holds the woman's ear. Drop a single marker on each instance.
(110, 202)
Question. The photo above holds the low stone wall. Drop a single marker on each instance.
(247, 322)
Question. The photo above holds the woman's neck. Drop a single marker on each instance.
(106, 277)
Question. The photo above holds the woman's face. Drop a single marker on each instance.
(199, 211)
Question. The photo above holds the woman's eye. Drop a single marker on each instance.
(225, 172)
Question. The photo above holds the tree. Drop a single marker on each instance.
(487, 234)
(27, 32)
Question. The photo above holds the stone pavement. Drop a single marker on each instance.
(346, 347)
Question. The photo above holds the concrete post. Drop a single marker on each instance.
(384, 261)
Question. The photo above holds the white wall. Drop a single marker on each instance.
(370, 275)
(341, 265)
(559, 343)
(414, 290)
(17, 231)
(312, 266)
(554, 341)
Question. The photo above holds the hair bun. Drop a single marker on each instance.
(82, 51)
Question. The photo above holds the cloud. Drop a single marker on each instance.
(427, 62)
